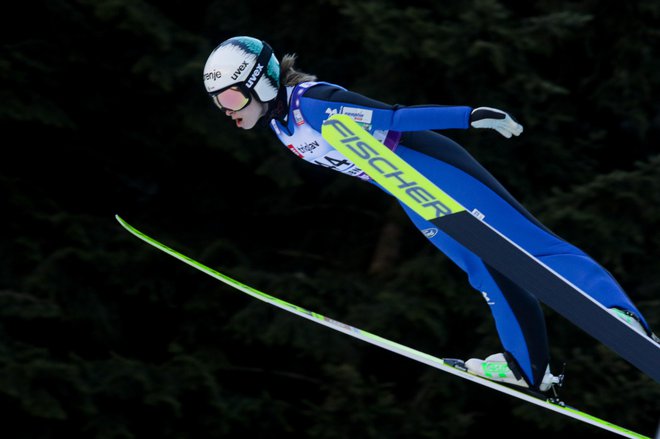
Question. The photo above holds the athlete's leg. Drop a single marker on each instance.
(517, 314)
(449, 166)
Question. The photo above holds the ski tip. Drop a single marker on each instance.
(121, 221)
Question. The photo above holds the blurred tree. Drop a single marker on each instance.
(103, 112)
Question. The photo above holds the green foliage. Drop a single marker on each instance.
(103, 111)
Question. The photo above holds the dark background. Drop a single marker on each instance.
(103, 112)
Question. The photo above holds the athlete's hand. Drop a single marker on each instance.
(486, 117)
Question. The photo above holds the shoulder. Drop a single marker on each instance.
(336, 94)
(318, 101)
(322, 90)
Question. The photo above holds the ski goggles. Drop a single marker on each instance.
(238, 96)
(232, 98)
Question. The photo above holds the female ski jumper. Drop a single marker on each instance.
(406, 130)
(242, 76)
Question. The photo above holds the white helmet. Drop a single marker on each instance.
(246, 62)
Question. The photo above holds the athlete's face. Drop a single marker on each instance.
(247, 117)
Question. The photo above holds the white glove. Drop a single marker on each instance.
(486, 117)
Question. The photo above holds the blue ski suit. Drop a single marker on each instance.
(408, 132)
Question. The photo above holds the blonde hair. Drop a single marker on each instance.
(290, 76)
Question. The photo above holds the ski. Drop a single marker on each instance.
(446, 365)
(501, 254)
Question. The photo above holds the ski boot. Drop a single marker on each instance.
(634, 322)
(496, 368)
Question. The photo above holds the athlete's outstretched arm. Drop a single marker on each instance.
(322, 100)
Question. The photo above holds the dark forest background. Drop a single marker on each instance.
(103, 112)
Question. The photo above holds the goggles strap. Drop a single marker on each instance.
(259, 67)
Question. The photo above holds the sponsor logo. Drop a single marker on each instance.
(488, 301)
(383, 166)
(212, 75)
(294, 150)
(303, 149)
(478, 214)
(330, 111)
(491, 370)
(254, 75)
(430, 233)
(308, 147)
(239, 70)
(297, 116)
(361, 115)
(341, 325)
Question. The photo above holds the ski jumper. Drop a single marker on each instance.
(407, 131)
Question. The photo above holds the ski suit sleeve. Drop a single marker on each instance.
(320, 101)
